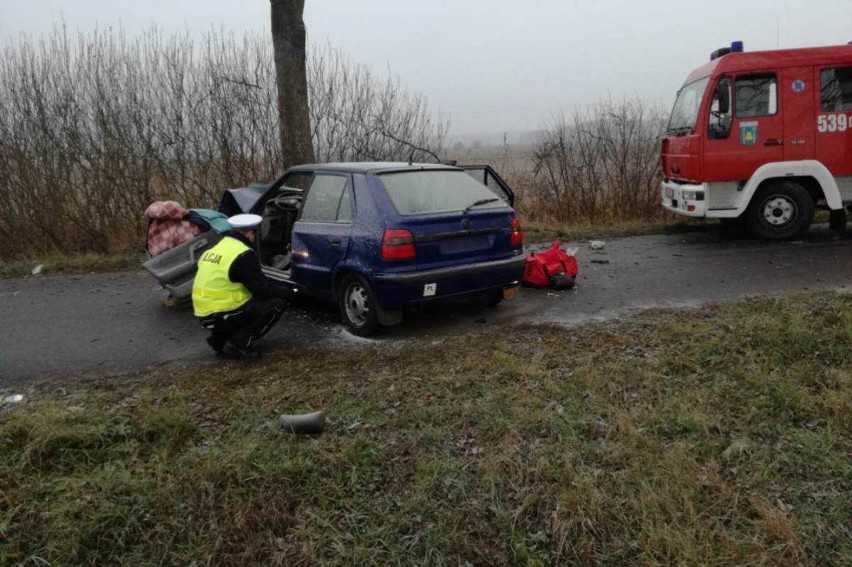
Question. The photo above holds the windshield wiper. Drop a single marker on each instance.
(479, 202)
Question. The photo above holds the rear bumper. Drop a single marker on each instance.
(397, 291)
(684, 198)
(429, 276)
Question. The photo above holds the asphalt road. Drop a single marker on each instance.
(69, 326)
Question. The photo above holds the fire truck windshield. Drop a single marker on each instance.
(685, 111)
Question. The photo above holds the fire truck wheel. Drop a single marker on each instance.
(780, 211)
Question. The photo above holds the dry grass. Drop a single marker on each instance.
(58, 264)
(540, 232)
(711, 437)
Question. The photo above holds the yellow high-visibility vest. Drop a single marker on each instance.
(212, 291)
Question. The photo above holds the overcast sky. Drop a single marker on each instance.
(492, 65)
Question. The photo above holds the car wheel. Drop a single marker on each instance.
(780, 211)
(358, 306)
(490, 298)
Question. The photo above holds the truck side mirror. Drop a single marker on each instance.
(723, 95)
(720, 111)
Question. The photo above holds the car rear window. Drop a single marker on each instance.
(422, 192)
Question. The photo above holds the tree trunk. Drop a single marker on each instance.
(288, 40)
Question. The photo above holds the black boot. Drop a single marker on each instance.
(214, 344)
(233, 350)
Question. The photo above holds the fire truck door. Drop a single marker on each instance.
(756, 132)
(833, 121)
(798, 91)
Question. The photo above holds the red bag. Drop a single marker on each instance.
(542, 267)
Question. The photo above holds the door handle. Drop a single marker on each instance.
(335, 242)
(773, 142)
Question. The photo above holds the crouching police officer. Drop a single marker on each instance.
(230, 294)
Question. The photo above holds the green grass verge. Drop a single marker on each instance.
(707, 437)
(67, 265)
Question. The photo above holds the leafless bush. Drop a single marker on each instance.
(94, 127)
(356, 116)
(600, 165)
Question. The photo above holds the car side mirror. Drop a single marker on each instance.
(724, 97)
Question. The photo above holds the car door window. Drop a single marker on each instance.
(344, 211)
(756, 95)
(836, 89)
(327, 200)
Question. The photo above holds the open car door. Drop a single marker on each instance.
(175, 269)
(489, 177)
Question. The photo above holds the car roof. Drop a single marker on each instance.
(371, 166)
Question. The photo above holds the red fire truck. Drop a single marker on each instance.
(763, 139)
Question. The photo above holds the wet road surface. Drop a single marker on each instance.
(67, 326)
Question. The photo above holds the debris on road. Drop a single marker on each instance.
(37, 269)
(303, 424)
(553, 267)
(598, 261)
(597, 244)
(562, 281)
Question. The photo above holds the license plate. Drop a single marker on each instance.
(669, 193)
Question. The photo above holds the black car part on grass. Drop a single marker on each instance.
(305, 424)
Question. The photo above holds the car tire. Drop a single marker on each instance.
(780, 211)
(358, 307)
(490, 298)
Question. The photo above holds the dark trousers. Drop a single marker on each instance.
(245, 325)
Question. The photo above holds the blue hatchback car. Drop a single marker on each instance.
(378, 238)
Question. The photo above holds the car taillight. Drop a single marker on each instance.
(398, 244)
(516, 237)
